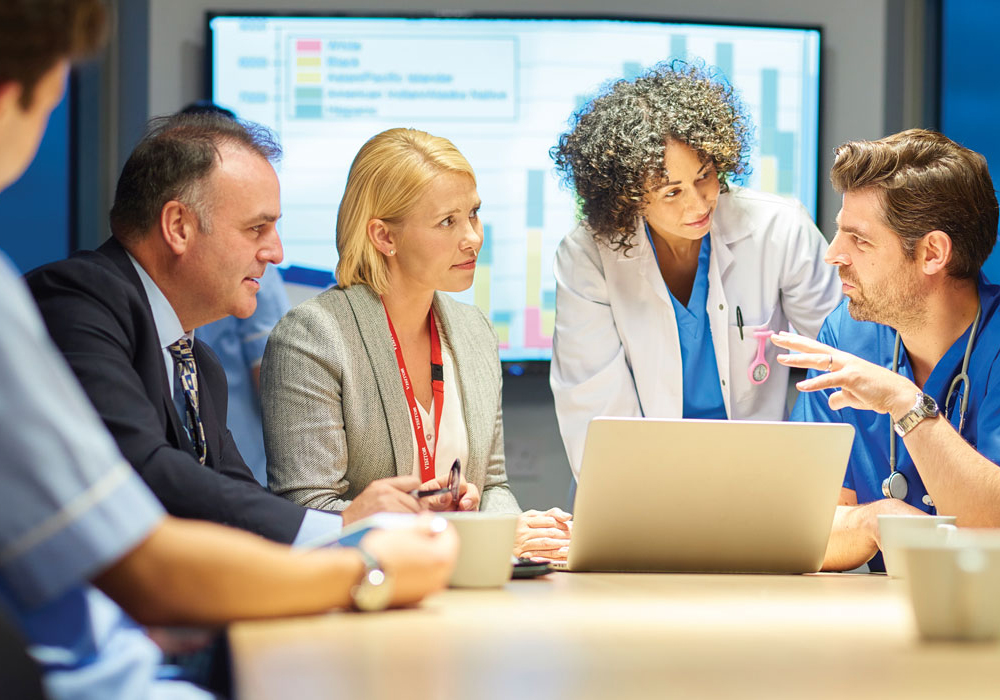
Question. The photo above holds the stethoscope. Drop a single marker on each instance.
(895, 485)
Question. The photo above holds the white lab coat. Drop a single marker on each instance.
(616, 351)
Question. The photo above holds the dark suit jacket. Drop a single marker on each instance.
(98, 315)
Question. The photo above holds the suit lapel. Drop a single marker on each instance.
(180, 437)
(113, 251)
(369, 314)
(117, 255)
(472, 370)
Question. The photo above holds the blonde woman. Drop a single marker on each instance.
(383, 376)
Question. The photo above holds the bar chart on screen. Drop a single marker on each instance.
(502, 90)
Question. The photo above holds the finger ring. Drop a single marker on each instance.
(829, 367)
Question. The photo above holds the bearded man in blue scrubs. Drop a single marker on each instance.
(919, 219)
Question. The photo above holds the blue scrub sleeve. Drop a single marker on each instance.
(272, 303)
(988, 419)
(70, 504)
(814, 406)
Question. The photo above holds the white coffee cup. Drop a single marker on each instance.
(897, 531)
(955, 586)
(486, 542)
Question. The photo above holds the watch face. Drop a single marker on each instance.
(374, 592)
(928, 406)
(925, 407)
(760, 372)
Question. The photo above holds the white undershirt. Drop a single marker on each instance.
(454, 437)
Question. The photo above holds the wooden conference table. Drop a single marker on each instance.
(621, 636)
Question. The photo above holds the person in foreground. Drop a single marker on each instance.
(385, 375)
(193, 227)
(911, 357)
(665, 288)
(73, 511)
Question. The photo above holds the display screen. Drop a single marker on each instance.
(502, 90)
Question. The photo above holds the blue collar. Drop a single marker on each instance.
(168, 326)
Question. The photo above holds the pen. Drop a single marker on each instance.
(739, 320)
(429, 492)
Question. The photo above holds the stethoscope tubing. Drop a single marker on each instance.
(961, 378)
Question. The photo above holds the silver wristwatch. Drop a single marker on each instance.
(925, 407)
(374, 591)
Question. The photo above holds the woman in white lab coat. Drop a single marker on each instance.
(661, 288)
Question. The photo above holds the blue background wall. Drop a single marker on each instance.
(970, 85)
(35, 210)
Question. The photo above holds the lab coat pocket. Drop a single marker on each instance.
(748, 397)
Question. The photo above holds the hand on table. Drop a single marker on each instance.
(543, 535)
(384, 495)
(860, 384)
(419, 559)
(468, 496)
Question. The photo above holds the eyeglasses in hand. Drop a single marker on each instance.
(454, 483)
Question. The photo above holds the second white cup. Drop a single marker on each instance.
(898, 531)
(953, 586)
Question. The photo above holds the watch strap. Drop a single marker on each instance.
(368, 559)
(373, 591)
(924, 407)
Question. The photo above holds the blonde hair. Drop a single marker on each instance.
(387, 178)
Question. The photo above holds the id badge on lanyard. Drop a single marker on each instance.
(437, 387)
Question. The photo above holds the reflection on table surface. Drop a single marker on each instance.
(572, 635)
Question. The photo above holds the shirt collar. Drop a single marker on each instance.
(168, 326)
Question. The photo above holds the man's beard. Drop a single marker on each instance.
(895, 302)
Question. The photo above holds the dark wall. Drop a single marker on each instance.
(970, 85)
(35, 210)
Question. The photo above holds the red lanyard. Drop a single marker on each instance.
(437, 387)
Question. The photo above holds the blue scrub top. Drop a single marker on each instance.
(869, 462)
(239, 344)
(70, 506)
(702, 393)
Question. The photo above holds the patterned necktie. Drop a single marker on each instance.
(184, 357)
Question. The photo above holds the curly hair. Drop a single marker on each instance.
(613, 155)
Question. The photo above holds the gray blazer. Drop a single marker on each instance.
(335, 416)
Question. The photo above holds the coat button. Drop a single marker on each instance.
(723, 382)
(721, 307)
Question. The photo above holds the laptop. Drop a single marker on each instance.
(707, 495)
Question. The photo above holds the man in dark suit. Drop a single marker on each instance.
(193, 227)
